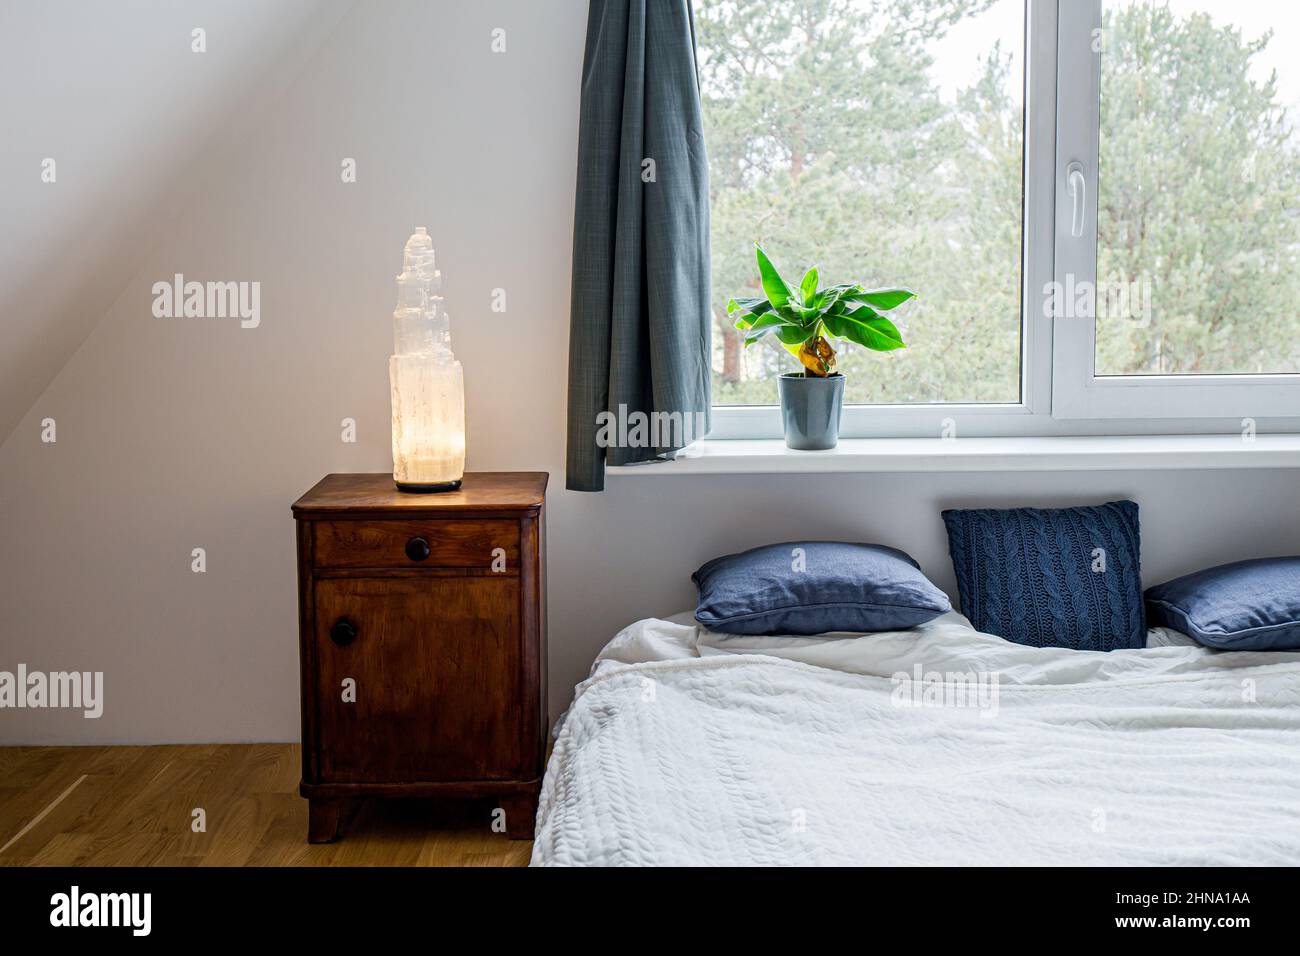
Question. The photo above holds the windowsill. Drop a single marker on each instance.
(1074, 453)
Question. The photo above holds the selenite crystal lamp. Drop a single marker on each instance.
(428, 385)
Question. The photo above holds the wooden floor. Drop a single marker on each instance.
(133, 806)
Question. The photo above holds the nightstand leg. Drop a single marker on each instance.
(326, 819)
(521, 814)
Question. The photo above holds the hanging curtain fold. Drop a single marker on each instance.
(639, 333)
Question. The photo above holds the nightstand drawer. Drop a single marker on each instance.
(415, 543)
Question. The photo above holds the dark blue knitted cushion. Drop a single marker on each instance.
(815, 587)
(1057, 577)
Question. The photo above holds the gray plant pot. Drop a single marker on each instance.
(811, 409)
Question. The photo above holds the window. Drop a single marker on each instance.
(1098, 204)
(885, 149)
(1190, 126)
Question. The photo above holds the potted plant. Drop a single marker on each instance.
(803, 319)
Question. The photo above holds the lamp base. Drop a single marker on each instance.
(427, 488)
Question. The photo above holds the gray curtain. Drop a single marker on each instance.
(639, 331)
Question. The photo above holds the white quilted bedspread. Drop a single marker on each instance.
(686, 747)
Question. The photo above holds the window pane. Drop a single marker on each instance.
(881, 141)
(1198, 256)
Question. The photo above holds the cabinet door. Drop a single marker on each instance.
(436, 663)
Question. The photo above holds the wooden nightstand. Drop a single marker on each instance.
(422, 639)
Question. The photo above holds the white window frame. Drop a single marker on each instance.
(1060, 394)
(1077, 391)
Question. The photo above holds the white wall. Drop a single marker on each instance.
(183, 433)
(114, 96)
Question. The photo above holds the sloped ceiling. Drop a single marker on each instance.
(117, 97)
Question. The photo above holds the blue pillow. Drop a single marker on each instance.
(1244, 606)
(1058, 577)
(813, 587)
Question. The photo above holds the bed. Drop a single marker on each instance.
(938, 745)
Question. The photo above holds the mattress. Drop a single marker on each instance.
(938, 745)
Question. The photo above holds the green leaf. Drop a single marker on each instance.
(860, 312)
(756, 306)
(795, 334)
(778, 293)
(867, 329)
(808, 288)
(762, 322)
(829, 297)
(884, 299)
(869, 317)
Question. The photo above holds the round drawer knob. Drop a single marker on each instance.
(343, 633)
(417, 549)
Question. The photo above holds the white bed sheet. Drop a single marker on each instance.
(695, 748)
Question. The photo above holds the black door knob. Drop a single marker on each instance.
(343, 633)
(417, 549)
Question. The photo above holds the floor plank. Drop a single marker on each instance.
(134, 806)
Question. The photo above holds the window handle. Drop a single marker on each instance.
(1079, 193)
